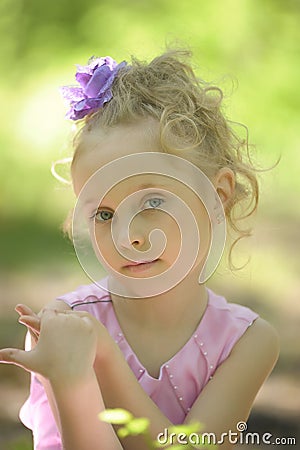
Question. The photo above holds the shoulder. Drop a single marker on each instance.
(249, 334)
(220, 309)
(92, 298)
(261, 341)
(222, 325)
(235, 332)
(253, 357)
(86, 294)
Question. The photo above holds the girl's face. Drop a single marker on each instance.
(144, 197)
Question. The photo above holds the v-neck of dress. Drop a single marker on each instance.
(119, 336)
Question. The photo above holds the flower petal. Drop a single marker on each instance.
(110, 80)
(84, 107)
(94, 103)
(85, 69)
(106, 96)
(111, 63)
(83, 78)
(95, 62)
(72, 93)
(97, 81)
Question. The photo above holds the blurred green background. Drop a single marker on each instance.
(251, 48)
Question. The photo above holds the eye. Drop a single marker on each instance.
(153, 203)
(103, 216)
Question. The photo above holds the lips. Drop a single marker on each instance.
(140, 265)
(137, 263)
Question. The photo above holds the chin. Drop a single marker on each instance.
(140, 287)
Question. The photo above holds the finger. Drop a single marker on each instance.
(31, 322)
(70, 312)
(17, 357)
(48, 312)
(33, 332)
(24, 310)
(34, 336)
(88, 322)
(87, 317)
(47, 316)
(77, 313)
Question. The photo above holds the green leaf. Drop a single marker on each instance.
(138, 426)
(123, 432)
(116, 416)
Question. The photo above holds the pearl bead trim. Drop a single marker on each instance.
(175, 387)
(210, 366)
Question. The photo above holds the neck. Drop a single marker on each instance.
(185, 302)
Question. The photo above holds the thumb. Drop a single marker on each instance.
(17, 357)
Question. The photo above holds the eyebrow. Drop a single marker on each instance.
(147, 186)
(151, 185)
(137, 188)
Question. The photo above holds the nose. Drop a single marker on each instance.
(132, 235)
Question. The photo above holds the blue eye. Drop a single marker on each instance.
(153, 203)
(103, 216)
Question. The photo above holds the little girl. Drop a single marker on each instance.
(157, 172)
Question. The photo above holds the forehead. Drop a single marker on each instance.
(128, 158)
(99, 148)
(133, 184)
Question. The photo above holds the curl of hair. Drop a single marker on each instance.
(192, 124)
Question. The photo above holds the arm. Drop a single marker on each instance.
(110, 362)
(120, 389)
(79, 404)
(226, 399)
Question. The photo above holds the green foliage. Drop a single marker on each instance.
(133, 426)
(255, 42)
(117, 416)
(19, 444)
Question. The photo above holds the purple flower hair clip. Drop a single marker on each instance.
(94, 91)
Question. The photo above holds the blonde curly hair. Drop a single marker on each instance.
(190, 110)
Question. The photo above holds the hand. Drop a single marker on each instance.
(33, 323)
(65, 350)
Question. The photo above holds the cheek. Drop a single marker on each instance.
(102, 240)
(171, 229)
(175, 234)
(203, 226)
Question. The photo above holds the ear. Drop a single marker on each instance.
(224, 183)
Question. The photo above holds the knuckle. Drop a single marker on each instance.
(88, 323)
(11, 355)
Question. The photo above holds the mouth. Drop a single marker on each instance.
(140, 266)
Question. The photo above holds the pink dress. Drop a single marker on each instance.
(181, 379)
